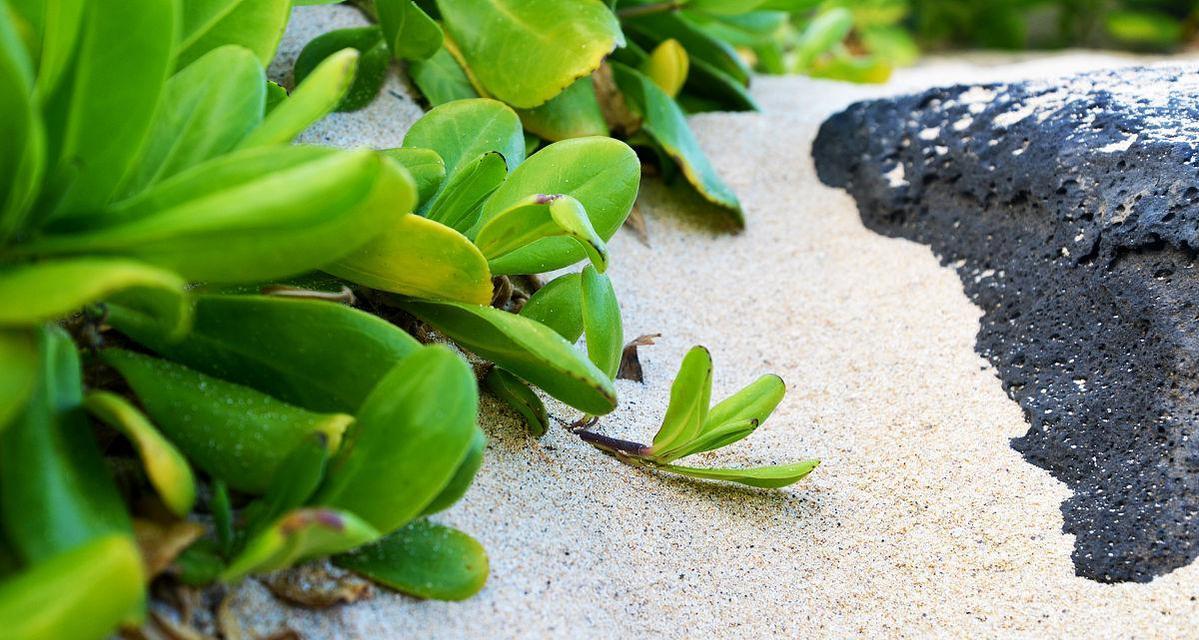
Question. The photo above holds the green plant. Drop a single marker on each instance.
(690, 427)
(180, 340)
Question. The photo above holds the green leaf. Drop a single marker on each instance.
(725, 434)
(535, 218)
(463, 477)
(207, 109)
(601, 321)
(58, 25)
(222, 516)
(755, 402)
(254, 24)
(558, 305)
(83, 593)
(513, 392)
(370, 73)
(461, 199)
(525, 52)
(300, 535)
(252, 215)
(318, 355)
(690, 395)
(232, 432)
(574, 113)
(419, 257)
(410, 33)
(22, 163)
(667, 125)
(524, 347)
(166, 468)
(772, 477)
(121, 68)
(709, 83)
(824, 32)
(1146, 27)
(724, 7)
(425, 167)
(441, 79)
(55, 491)
(424, 560)
(601, 173)
(667, 66)
(650, 29)
(18, 376)
(46, 291)
(320, 93)
(463, 130)
(299, 476)
(413, 433)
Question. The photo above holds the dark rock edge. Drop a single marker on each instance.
(1080, 249)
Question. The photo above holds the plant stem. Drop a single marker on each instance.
(614, 445)
(648, 9)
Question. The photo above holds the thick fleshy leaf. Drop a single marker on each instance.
(425, 560)
(601, 321)
(533, 219)
(601, 173)
(667, 125)
(425, 167)
(726, 7)
(461, 199)
(690, 395)
(18, 376)
(166, 468)
(667, 66)
(410, 33)
(320, 93)
(207, 109)
(47, 291)
(252, 215)
(823, 33)
(441, 79)
(755, 402)
(574, 113)
(463, 130)
(525, 52)
(412, 435)
(300, 535)
(463, 477)
(233, 432)
(419, 257)
(513, 392)
(725, 434)
(121, 68)
(373, 62)
(318, 355)
(526, 348)
(772, 477)
(254, 24)
(558, 305)
(298, 478)
(706, 82)
(55, 490)
(55, 27)
(652, 28)
(83, 593)
(22, 163)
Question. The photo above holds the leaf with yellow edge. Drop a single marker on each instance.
(422, 258)
(167, 469)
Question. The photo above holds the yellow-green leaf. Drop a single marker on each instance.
(667, 66)
(424, 560)
(317, 96)
(536, 218)
(300, 535)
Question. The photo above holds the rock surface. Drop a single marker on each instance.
(1070, 211)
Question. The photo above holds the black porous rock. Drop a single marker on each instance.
(1070, 210)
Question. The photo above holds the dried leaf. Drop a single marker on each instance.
(630, 362)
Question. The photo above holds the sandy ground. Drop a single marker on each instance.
(922, 521)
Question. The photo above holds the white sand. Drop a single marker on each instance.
(922, 521)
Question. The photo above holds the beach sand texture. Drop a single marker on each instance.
(921, 521)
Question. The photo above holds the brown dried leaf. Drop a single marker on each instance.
(161, 542)
(630, 363)
(318, 585)
(621, 120)
(636, 223)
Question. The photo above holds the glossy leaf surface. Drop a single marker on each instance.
(558, 305)
(601, 321)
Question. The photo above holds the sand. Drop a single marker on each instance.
(922, 521)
